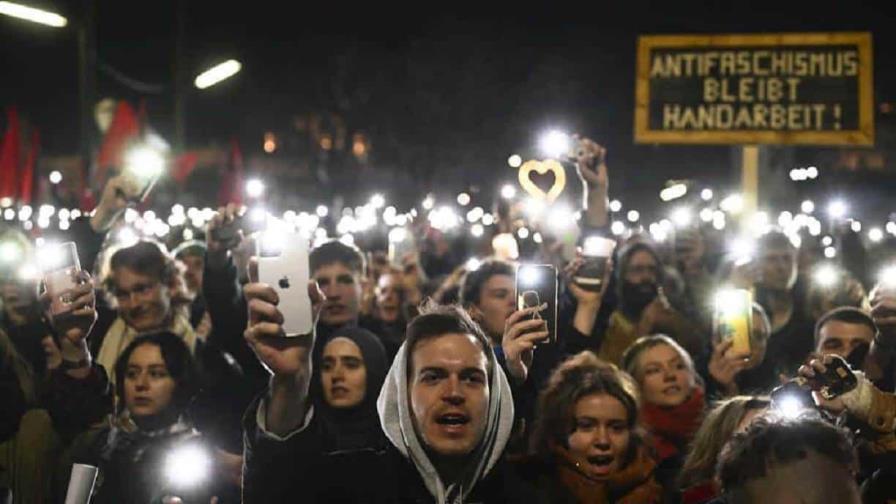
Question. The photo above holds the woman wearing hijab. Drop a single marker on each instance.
(586, 445)
(149, 450)
(672, 399)
(351, 371)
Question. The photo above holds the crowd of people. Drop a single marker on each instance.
(424, 380)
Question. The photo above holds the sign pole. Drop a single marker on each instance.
(749, 180)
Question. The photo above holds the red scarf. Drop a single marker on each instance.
(672, 428)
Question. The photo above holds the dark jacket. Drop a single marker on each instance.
(299, 469)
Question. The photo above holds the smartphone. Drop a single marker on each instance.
(575, 150)
(400, 245)
(597, 252)
(59, 268)
(733, 319)
(536, 284)
(283, 264)
(837, 379)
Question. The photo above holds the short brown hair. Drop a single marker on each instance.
(436, 320)
(144, 257)
(579, 376)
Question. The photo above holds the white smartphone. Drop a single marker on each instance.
(60, 266)
(283, 264)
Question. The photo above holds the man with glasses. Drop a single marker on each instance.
(142, 281)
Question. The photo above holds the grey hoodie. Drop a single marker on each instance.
(396, 420)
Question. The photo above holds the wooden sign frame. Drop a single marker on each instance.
(862, 136)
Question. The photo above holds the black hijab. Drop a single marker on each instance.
(358, 427)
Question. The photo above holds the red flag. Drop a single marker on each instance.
(9, 155)
(231, 190)
(123, 128)
(183, 166)
(27, 185)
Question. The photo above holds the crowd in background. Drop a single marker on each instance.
(424, 381)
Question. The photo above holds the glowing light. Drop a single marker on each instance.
(347, 239)
(789, 407)
(217, 74)
(830, 252)
(10, 252)
(488, 219)
(812, 172)
(477, 230)
(472, 264)
(887, 276)
(463, 199)
(187, 466)
(515, 161)
(55, 177)
(534, 207)
(528, 275)
(398, 235)
(537, 238)
(891, 227)
(681, 216)
(378, 201)
(856, 226)
(127, 236)
(615, 205)
(706, 215)
(674, 191)
(254, 188)
(554, 143)
(5, 202)
(322, 211)
(523, 233)
(837, 209)
(9, 214)
(25, 213)
(743, 249)
(29, 272)
(807, 207)
(733, 204)
(31, 14)
(706, 194)
(508, 191)
(270, 142)
(145, 162)
(617, 228)
(826, 275)
(827, 241)
(188, 234)
(875, 235)
(429, 202)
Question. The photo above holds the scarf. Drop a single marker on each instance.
(398, 425)
(672, 428)
(632, 484)
(120, 335)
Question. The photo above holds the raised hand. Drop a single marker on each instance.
(725, 366)
(521, 334)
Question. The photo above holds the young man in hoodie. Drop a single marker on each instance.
(445, 408)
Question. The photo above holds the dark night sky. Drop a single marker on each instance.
(450, 93)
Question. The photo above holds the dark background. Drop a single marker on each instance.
(444, 97)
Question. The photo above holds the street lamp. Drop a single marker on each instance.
(31, 14)
(217, 73)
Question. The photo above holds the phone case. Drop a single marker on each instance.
(734, 319)
(288, 275)
(540, 288)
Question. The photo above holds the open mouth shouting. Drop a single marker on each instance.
(453, 423)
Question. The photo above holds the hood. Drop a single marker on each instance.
(397, 423)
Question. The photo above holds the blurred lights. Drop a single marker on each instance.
(515, 161)
(617, 228)
(875, 235)
(681, 216)
(856, 226)
(508, 191)
(826, 275)
(55, 177)
(830, 252)
(477, 230)
(523, 233)
(807, 207)
(217, 74)
(554, 143)
(377, 201)
(463, 199)
(633, 216)
(31, 14)
(674, 191)
(429, 202)
(706, 215)
(472, 264)
(615, 205)
(270, 142)
(254, 188)
(187, 466)
(733, 204)
(706, 194)
(837, 209)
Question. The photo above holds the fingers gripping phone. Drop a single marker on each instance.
(837, 379)
(283, 264)
(536, 284)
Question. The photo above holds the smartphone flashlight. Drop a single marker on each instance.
(145, 163)
(188, 466)
(554, 143)
(826, 276)
(529, 276)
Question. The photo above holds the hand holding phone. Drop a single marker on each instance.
(60, 268)
(596, 254)
(831, 378)
(733, 320)
(536, 286)
(283, 265)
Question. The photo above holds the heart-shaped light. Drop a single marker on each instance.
(541, 168)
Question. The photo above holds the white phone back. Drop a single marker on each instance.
(288, 274)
